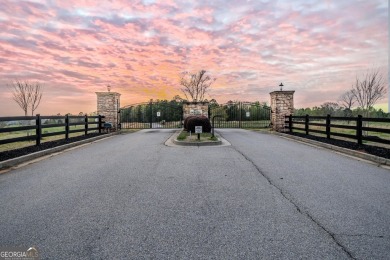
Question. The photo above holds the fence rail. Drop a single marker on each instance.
(38, 126)
(330, 126)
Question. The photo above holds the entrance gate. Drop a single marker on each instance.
(159, 114)
(240, 115)
(169, 114)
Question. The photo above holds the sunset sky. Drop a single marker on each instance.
(75, 48)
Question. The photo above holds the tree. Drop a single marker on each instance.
(195, 85)
(177, 99)
(368, 90)
(347, 100)
(36, 96)
(330, 108)
(27, 95)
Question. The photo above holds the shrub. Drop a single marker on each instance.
(186, 121)
(199, 121)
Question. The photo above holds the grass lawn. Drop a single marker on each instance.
(186, 136)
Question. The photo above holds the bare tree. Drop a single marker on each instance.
(347, 100)
(21, 96)
(36, 96)
(195, 85)
(368, 90)
(27, 95)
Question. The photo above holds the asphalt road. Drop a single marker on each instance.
(263, 197)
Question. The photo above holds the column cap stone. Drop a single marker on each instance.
(108, 93)
(282, 92)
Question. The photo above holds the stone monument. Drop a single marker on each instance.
(282, 104)
(108, 104)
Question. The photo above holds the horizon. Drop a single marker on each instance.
(77, 48)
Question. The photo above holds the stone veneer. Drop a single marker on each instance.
(282, 104)
(195, 108)
(108, 104)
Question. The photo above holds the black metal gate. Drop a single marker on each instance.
(240, 115)
(158, 114)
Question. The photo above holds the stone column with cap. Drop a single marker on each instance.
(282, 104)
(108, 104)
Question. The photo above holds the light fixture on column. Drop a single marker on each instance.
(281, 86)
(108, 88)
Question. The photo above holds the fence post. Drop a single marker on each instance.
(307, 124)
(67, 127)
(38, 130)
(86, 124)
(290, 124)
(359, 131)
(100, 124)
(328, 126)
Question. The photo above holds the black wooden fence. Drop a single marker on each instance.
(50, 122)
(360, 127)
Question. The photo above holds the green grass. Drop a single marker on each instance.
(186, 136)
(182, 136)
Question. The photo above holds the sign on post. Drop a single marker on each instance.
(158, 113)
(198, 130)
(248, 114)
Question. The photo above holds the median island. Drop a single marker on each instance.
(196, 131)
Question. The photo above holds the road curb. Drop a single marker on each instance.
(361, 155)
(28, 157)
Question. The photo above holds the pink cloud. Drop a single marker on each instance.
(78, 47)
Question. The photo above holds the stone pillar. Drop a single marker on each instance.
(282, 104)
(108, 104)
(195, 109)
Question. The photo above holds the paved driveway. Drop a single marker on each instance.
(132, 197)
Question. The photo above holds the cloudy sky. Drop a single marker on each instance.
(77, 47)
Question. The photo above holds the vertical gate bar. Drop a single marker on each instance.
(240, 115)
(117, 114)
(151, 113)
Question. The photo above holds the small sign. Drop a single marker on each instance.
(159, 113)
(248, 114)
(198, 130)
